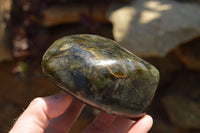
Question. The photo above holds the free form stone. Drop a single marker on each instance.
(101, 73)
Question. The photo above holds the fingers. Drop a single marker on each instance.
(107, 123)
(100, 124)
(120, 125)
(36, 117)
(41, 110)
(142, 126)
(64, 122)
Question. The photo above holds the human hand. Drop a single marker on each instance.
(57, 114)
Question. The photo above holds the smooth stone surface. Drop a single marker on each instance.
(101, 73)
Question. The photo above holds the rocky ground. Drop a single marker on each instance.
(170, 43)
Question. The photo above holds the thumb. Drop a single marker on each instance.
(36, 117)
(143, 125)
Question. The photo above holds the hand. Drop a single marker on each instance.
(57, 114)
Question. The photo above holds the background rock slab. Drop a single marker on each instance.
(154, 27)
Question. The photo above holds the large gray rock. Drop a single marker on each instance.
(154, 27)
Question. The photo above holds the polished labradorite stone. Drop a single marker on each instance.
(101, 73)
